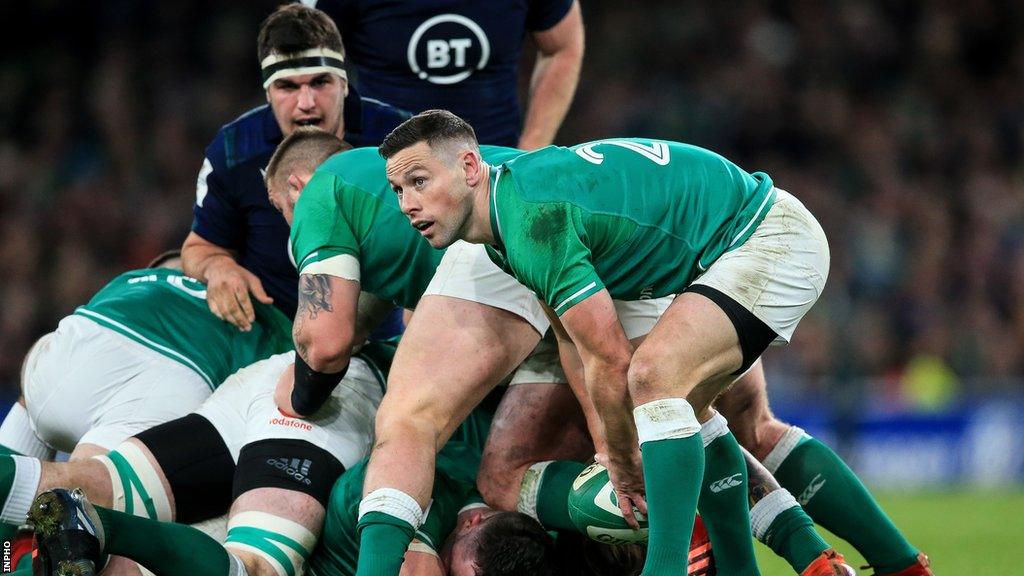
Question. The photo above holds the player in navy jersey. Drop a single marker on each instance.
(463, 55)
(238, 242)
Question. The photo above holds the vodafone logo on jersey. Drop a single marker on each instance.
(447, 49)
(291, 423)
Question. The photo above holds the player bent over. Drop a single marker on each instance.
(236, 451)
(629, 219)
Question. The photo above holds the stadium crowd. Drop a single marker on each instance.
(901, 126)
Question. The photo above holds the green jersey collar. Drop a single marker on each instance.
(495, 175)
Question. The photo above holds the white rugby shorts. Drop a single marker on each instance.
(780, 271)
(88, 384)
(243, 410)
(543, 366)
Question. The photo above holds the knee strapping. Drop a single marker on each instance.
(135, 484)
(282, 543)
(665, 419)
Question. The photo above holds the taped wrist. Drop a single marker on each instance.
(312, 388)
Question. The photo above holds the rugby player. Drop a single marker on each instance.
(465, 55)
(235, 452)
(708, 337)
(144, 350)
(238, 242)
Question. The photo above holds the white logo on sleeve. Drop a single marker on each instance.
(201, 187)
(447, 49)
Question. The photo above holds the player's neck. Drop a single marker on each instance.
(479, 229)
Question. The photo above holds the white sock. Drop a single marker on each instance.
(17, 434)
(27, 472)
(768, 509)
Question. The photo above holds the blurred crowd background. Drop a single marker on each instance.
(900, 125)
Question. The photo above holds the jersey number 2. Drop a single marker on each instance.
(657, 152)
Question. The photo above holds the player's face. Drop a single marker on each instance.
(459, 551)
(308, 100)
(433, 194)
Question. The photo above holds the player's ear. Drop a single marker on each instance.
(473, 165)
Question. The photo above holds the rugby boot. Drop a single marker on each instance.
(702, 559)
(830, 563)
(920, 568)
(69, 534)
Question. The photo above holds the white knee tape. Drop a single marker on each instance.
(282, 543)
(768, 509)
(783, 448)
(714, 429)
(136, 486)
(393, 503)
(665, 419)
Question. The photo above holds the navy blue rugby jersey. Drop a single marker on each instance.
(461, 55)
(232, 209)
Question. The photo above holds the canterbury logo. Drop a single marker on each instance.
(727, 482)
(816, 483)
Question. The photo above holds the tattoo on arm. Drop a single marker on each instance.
(314, 295)
(760, 481)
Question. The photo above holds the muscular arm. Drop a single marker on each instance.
(594, 327)
(228, 283)
(325, 321)
(572, 366)
(555, 75)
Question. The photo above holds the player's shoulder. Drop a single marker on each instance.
(253, 135)
(368, 120)
(360, 171)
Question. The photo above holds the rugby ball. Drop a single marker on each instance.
(594, 509)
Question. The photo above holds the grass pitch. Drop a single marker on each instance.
(964, 533)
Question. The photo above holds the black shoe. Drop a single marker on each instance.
(69, 534)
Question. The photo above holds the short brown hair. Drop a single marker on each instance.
(294, 28)
(433, 127)
(308, 147)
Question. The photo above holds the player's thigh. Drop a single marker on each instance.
(693, 344)
(453, 352)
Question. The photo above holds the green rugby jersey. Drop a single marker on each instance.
(348, 224)
(166, 311)
(337, 552)
(642, 218)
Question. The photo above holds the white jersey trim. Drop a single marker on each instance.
(343, 266)
(575, 294)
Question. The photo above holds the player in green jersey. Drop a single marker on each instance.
(144, 350)
(638, 219)
(473, 323)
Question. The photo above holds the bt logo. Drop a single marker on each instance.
(446, 49)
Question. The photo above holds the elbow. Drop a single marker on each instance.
(327, 353)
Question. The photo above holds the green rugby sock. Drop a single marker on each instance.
(553, 494)
(784, 527)
(383, 539)
(165, 548)
(835, 498)
(673, 469)
(724, 505)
